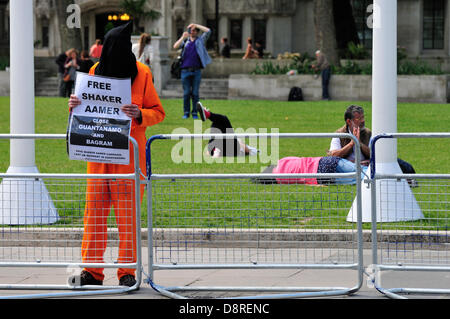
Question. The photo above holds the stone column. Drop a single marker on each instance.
(25, 200)
(247, 31)
(163, 24)
(224, 27)
(196, 12)
(160, 63)
(279, 35)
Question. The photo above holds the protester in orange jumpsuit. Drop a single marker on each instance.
(118, 61)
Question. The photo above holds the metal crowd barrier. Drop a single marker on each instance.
(420, 244)
(53, 240)
(227, 221)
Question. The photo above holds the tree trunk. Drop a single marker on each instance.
(325, 30)
(70, 37)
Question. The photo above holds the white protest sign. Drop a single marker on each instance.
(98, 129)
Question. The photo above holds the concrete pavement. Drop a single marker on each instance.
(346, 278)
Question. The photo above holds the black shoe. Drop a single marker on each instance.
(201, 111)
(127, 280)
(85, 278)
(413, 183)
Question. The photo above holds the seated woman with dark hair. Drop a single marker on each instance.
(311, 165)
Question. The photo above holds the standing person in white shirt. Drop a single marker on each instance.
(143, 50)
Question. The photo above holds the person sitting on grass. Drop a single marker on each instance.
(222, 125)
(311, 165)
(355, 124)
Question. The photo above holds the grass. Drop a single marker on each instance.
(287, 117)
(242, 203)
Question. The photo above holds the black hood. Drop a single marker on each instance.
(117, 59)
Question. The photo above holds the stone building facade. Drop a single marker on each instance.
(281, 25)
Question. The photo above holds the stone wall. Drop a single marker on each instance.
(411, 88)
(223, 68)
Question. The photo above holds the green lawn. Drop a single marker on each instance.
(427, 156)
(242, 203)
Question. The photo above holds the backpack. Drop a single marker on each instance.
(175, 68)
(406, 167)
(295, 94)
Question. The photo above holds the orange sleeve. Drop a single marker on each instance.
(152, 109)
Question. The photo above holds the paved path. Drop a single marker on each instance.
(229, 277)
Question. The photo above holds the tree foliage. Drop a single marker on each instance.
(138, 11)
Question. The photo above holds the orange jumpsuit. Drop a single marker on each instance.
(101, 194)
